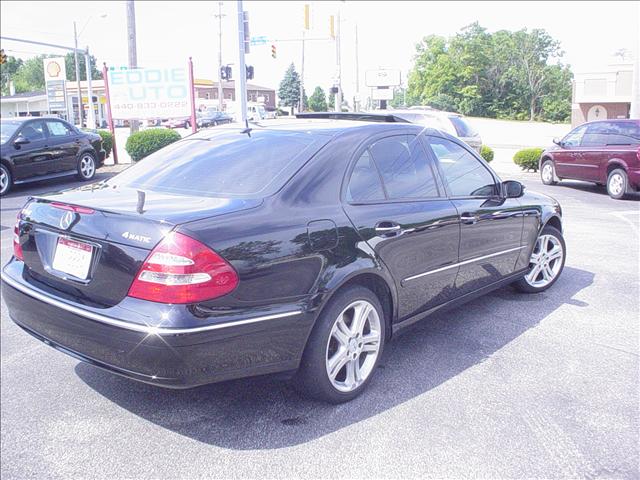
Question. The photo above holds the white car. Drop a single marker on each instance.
(449, 122)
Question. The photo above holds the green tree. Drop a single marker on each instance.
(318, 100)
(331, 103)
(30, 75)
(7, 73)
(289, 91)
(70, 67)
(398, 98)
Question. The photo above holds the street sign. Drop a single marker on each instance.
(149, 93)
(261, 40)
(382, 93)
(382, 78)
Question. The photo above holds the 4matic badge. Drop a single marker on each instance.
(136, 237)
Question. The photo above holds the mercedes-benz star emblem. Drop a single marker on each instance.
(66, 220)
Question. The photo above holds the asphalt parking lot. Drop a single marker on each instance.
(509, 385)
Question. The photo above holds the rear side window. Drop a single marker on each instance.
(58, 129)
(611, 133)
(466, 176)
(463, 129)
(227, 163)
(365, 184)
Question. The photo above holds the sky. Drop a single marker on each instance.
(169, 32)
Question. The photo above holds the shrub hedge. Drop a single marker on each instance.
(528, 158)
(486, 153)
(107, 141)
(144, 143)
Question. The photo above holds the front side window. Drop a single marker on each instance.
(574, 138)
(464, 173)
(34, 131)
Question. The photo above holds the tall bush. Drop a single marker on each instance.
(487, 153)
(144, 143)
(107, 141)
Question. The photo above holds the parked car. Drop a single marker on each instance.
(606, 152)
(40, 148)
(451, 123)
(181, 122)
(299, 248)
(211, 118)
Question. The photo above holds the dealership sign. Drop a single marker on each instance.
(143, 93)
(382, 78)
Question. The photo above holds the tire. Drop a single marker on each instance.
(6, 180)
(355, 357)
(186, 125)
(617, 184)
(86, 166)
(548, 173)
(549, 266)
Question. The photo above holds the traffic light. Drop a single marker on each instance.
(225, 72)
(273, 51)
(3, 57)
(249, 72)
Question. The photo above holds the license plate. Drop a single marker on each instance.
(73, 258)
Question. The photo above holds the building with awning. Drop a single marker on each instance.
(24, 104)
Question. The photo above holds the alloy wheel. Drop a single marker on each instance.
(547, 173)
(616, 184)
(4, 180)
(546, 261)
(87, 166)
(353, 346)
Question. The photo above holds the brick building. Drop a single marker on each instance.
(207, 89)
(602, 95)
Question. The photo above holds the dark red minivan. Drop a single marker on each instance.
(606, 152)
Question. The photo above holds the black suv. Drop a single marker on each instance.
(297, 247)
(39, 148)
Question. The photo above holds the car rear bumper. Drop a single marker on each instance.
(261, 343)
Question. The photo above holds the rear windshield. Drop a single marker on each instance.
(224, 164)
(462, 127)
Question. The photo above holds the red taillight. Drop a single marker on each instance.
(72, 208)
(183, 270)
(17, 247)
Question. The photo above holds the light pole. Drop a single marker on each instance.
(241, 81)
(219, 16)
(75, 55)
(91, 116)
(133, 55)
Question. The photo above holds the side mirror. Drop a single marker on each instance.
(513, 189)
(20, 140)
(558, 141)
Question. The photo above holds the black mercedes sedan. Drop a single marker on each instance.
(299, 247)
(40, 148)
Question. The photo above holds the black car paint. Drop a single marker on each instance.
(50, 157)
(292, 251)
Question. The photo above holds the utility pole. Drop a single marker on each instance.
(356, 105)
(241, 80)
(75, 55)
(219, 16)
(338, 106)
(133, 55)
(91, 115)
(635, 83)
(304, 31)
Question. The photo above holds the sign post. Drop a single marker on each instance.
(105, 77)
(192, 94)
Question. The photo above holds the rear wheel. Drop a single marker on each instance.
(5, 179)
(548, 173)
(546, 262)
(617, 184)
(86, 166)
(344, 348)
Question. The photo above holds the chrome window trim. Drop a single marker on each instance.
(459, 264)
(147, 329)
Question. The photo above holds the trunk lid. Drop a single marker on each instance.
(90, 242)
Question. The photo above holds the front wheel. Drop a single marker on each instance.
(546, 262)
(86, 166)
(548, 173)
(5, 179)
(617, 184)
(344, 348)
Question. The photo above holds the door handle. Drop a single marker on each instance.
(387, 227)
(468, 218)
